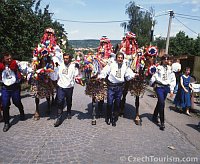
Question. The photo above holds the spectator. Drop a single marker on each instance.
(182, 98)
(176, 68)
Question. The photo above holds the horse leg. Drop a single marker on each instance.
(37, 114)
(123, 100)
(93, 111)
(122, 105)
(48, 105)
(137, 118)
(52, 100)
(100, 108)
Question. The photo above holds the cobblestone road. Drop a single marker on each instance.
(77, 141)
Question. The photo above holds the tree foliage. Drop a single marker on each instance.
(140, 23)
(182, 44)
(22, 26)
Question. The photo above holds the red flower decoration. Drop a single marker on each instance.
(2, 66)
(13, 65)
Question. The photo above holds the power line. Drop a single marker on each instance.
(160, 15)
(188, 15)
(188, 18)
(186, 26)
(77, 21)
(114, 21)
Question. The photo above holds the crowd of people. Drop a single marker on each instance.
(121, 66)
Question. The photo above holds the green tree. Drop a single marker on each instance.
(160, 42)
(197, 46)
(140, 23)
(22, 27)
(181, 45)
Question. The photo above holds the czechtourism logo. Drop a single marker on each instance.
(154, 159)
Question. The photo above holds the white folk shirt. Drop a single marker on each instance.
(116, 75)
(164, 76)
(8, 77)
(66, 75)
(54, 75)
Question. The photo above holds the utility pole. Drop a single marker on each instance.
(152, 29)
(171, 14)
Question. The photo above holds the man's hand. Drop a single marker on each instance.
(171, 94)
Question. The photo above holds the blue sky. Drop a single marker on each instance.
(114, 10)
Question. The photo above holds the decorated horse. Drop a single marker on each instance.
(129, 46)
(44, 56)
(97, 89)
(139, 63)
(105, 48)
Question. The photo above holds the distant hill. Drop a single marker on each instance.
(89, 43)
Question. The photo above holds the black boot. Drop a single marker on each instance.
(162, 126)
(113, 120)
(58, 121)
(162, 119)
(108, 115)
(59, 118)
(21, 111)
(6, 127)
(107, 120)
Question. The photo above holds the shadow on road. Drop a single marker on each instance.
(152, 96)
(129, 111)
(16, 118)
(194, 126)
(177, 110)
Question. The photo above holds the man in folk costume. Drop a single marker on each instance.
(10, 88)
(66, 80)
(116, 73)
(164, 81)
